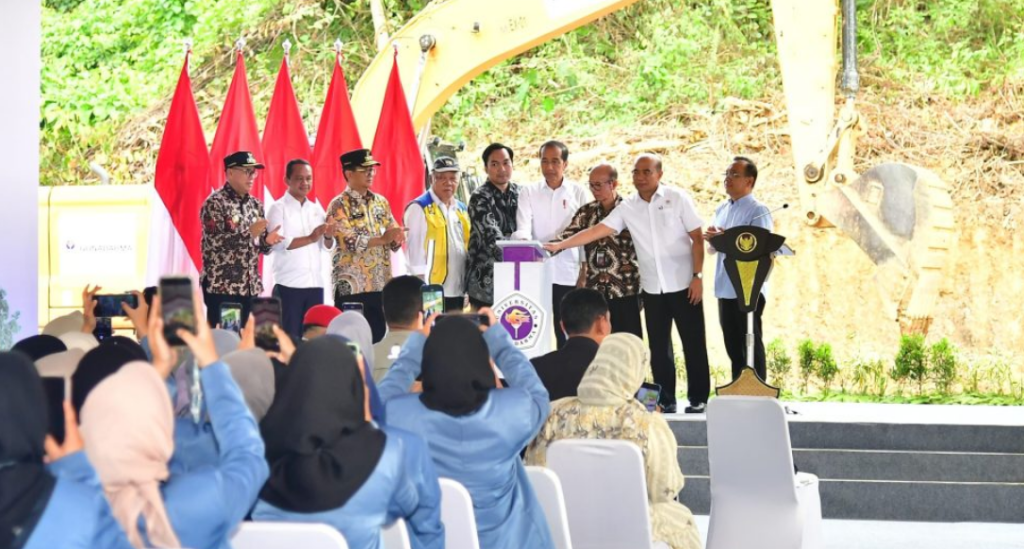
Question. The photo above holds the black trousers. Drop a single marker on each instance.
(373, 310)
(557, 293)
(734, 333)
(454, 304)
(625, 312)
(660, 311)
(213, 302)
(294, 304)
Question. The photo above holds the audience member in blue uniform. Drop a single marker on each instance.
(474, 430)
(40, 508)
(127, 424)
(330, 464)
(355, 328)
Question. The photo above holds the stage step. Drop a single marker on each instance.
(892, 462)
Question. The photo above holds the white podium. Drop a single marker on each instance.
(522, 296)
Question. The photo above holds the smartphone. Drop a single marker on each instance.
(479, 320)
(57, 389)
(103, 328)
(352, 306)
(433, 299)
(176, 307)
(109, 305)
(231, 317)
(267, 311)
(648, 395)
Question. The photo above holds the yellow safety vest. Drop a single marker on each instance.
(437, 230)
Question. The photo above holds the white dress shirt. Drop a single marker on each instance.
(543, 213)
(660, 230)
(419, 258)
(301, 267)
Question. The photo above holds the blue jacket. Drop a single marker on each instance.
(206, 505)
(481, 450)
(77, 514)
(403, 485)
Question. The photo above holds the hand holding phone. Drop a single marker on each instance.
(231, 317)
(352, 306)
(177, 307)
(110, 305)
(648, 395)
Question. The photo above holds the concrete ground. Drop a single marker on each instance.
(863, 534)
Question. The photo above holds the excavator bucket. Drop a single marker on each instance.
(902, 217)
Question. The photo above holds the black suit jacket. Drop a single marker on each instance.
(561, 371)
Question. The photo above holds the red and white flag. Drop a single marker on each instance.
(284, 135)
(401, 175)
(336, 135)
(236, 130)
(181, 182)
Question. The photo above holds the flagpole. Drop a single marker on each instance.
(287, 51)
(239, 44)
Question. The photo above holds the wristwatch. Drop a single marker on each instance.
(698, 275)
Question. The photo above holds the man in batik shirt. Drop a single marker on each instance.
(234, 235)
(492, 217)
(610, 265)
(367, 234)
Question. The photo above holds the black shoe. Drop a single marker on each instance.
(695, 408)
(668, 408)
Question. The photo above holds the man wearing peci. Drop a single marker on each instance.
(366, 235)
(741, 209)
(545, 209)
(298, 275)
(438, 226)
(670, 248)
(234, 235)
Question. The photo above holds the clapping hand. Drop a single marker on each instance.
(275, 236)
(257, 228)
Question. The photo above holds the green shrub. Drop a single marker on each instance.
(778, 361)
(825, 365)
(911, 361)
(806, 353)
(943, 364)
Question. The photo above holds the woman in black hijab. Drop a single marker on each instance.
(36, 509)
(475, 431)
(38, 346)
(330, 464)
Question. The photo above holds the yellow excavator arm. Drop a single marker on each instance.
(900, 215)
(452, 41)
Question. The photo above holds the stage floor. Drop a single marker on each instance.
(911, 414)
(871, 534)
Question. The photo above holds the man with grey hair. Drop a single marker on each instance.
(666, 231)
(609, 264)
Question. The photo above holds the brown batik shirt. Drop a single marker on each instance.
(356, 266)
(231, 263)
(610, 263)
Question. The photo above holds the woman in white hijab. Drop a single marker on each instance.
(606, 409)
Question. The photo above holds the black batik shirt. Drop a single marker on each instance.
(492, 217)
(610, 263)
(231, 256)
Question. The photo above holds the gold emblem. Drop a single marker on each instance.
(746, 242)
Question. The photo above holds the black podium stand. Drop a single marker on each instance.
(748, 262)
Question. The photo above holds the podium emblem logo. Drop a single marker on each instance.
(746, 242)
(522, 318)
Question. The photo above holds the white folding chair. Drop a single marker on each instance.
(756, 500)
(549, 493)
(605, 490)
(287, 535)
(396, 536)
(458, 516)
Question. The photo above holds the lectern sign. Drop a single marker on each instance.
(522, 318)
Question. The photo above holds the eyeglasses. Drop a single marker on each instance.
(249, 172)
(734, 175)
(599, 184)
(647, 172)
(369, 169)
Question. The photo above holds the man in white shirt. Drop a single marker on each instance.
(297, 258)
(439, 226)
(669, 244)
(545, 209)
